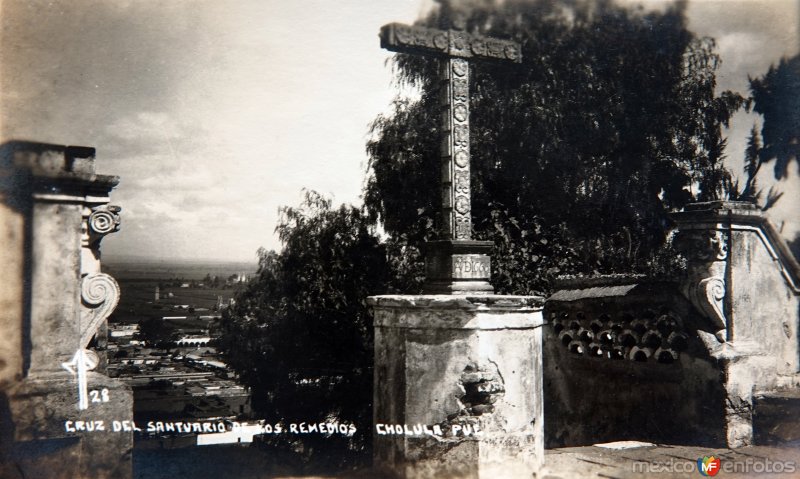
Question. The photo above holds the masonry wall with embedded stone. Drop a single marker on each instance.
(467, 368)
(54, 211)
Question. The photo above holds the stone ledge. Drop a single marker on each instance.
(741, 216)
(489, 312)
(578, 282)
(463, 302)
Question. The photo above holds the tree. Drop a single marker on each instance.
(776, 96)
(753, 160)
(577, 154)
(300, 334)
(156, 332)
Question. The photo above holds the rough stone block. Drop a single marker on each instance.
(469, 366)
(48, 436)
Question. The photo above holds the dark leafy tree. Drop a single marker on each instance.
(156, 332)
(300, 334)
(753, 160)
(752, 164)
(577, 154)
(776, 96)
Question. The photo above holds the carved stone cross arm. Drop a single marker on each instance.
(397, 37)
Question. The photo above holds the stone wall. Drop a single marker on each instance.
(615, 369)
(460, 377)
(60, 416)
(742, 275)
(622, 361)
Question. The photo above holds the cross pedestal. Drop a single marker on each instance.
(458, 266)
(458, 386)
(458, 370)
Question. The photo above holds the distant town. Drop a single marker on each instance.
(161, 341)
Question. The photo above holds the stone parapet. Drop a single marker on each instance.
(743, 277)
(680, 359)
(54, 211)
(719, 218)
(622, 361)
(458, 385)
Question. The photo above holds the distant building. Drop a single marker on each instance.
(122, 330)
(193, 341)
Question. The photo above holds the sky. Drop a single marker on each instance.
(217, 112)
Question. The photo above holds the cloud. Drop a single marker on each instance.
(751, 35)
(741, 52)
(90, 62)
(214, 114)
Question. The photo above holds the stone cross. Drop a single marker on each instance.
(455, 263)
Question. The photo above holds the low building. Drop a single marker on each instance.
(194, 341)
(122, 330)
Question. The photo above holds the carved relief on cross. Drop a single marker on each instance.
(454, 48)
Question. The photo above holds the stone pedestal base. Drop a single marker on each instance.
(45, 435)
(458, 267)
(458, 385)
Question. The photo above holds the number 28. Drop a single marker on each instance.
(99, 396)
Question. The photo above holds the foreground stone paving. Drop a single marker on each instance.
(665, 461)
(651, 461)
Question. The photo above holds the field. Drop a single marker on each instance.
(182, 292)
(172, 270)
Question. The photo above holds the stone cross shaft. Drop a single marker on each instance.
(455, 263)
(455, 48)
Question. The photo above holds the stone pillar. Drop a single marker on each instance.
(458, 385)
(55, 212)
(745, 280)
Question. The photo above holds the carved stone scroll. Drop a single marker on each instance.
(708, 295)
(99, 296)
(102, 220)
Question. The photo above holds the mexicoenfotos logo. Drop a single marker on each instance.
(711, 466)
(708, 465)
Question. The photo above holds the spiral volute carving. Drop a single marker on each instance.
(100, 295)
(96, 288)
(103, 221)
